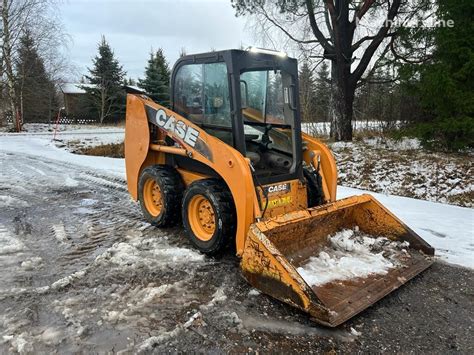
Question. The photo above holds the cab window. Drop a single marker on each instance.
(201, 94)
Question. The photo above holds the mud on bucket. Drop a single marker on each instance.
(335, 260)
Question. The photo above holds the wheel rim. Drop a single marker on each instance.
(152, 197)
(201, 217)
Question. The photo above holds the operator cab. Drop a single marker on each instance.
(248, 99)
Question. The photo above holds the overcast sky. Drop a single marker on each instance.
(133, 27)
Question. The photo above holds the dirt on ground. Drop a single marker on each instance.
(82, 271)
(112, 150)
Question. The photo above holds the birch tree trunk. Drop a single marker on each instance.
(8, 61)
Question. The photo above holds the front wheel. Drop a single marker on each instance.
(208, 215)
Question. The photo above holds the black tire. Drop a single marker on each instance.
(171, 188)
(314, 188)
(220, 198)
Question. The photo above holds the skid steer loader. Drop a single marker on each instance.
(229, 160)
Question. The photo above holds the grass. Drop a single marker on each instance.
(113, 150)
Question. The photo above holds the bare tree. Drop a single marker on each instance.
(7, 60)
(38, 17)
(353, 35)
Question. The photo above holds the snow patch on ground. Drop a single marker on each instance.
(218, 297)
(9, 244)
(65, 281)
(254, 292)
(138, 298)
(11, 201)
(351, 254)
(139, 251)
(32, 263)
(21, 344)
(401, 167)
(151, 342)
(449, 229)
(59, 232)
(42, 146)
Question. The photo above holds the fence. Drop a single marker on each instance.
(324, 128)
(63, 120)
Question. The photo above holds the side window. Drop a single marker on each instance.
(254, 90)
(216, 95)
(201, 94)
(275, 102)
(188, 92)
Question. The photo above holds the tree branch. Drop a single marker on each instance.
(289, 35)
(405, 59)
(357, 44)
(362, 10)
(314, 26)
(379, 37)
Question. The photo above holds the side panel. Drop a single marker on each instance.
(189, 177)
(222, 158)
(137, 140)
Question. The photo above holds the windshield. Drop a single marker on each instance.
(266, 108)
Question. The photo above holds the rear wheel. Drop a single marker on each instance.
(208, 215)
(160, 193)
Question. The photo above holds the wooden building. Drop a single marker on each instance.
(76, 103)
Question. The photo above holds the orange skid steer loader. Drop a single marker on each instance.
(230, 161)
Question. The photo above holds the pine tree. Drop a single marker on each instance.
(307, 92)
(446, 85)
(157, 78)
(107, 75)
(36, 92)
(322, 93)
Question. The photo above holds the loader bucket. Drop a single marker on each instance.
(277, 250)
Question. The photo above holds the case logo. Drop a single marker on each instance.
(170, 124)
(278, 188)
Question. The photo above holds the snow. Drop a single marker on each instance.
(351, 254)
(253, 292)
(449, 229)
(32, 263)
(11, 201)
(64, 130)
(218, 297)
(151, 342)
(323, 128)
(45, 148)
(65, 281)
(400, 167)
(73, 88)
(52, 336)
(60, 232)
(355, 332)
(131, 253)
(9, 244)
